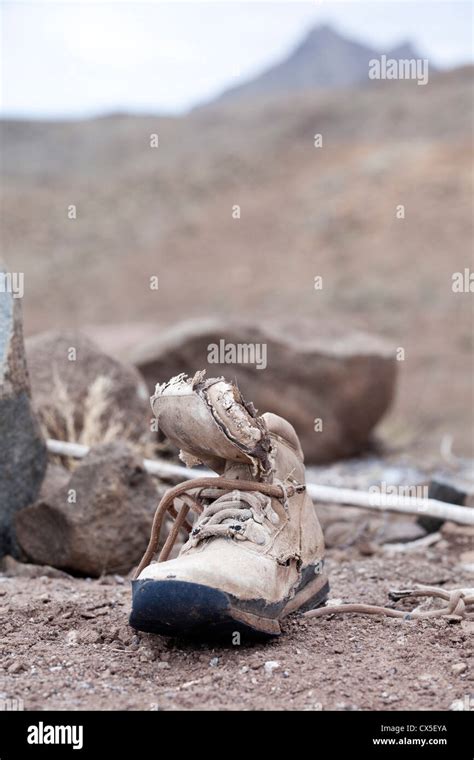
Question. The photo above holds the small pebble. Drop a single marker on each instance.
(270, 666)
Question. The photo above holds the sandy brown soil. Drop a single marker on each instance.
(66, 644)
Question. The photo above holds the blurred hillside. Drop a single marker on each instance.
(305, 211)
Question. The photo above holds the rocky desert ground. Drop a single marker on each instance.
(235, 218)
(66, 645)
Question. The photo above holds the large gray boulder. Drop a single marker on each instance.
(23, 454)
(333, 387)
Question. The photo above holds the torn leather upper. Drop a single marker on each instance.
(211, 423)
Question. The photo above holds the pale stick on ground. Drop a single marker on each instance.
(344, 496)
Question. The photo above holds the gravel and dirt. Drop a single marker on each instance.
(66, 645)
(65, 642)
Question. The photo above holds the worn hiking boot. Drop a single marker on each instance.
(254, 552)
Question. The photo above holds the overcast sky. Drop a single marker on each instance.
(69, 59)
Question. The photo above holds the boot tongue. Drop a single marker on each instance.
(237, 471)
(209, 421)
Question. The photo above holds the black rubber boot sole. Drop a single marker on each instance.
(180, 608)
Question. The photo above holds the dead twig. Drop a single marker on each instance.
(348, 497)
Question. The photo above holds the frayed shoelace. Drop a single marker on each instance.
(212, 518)
(234, 514)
